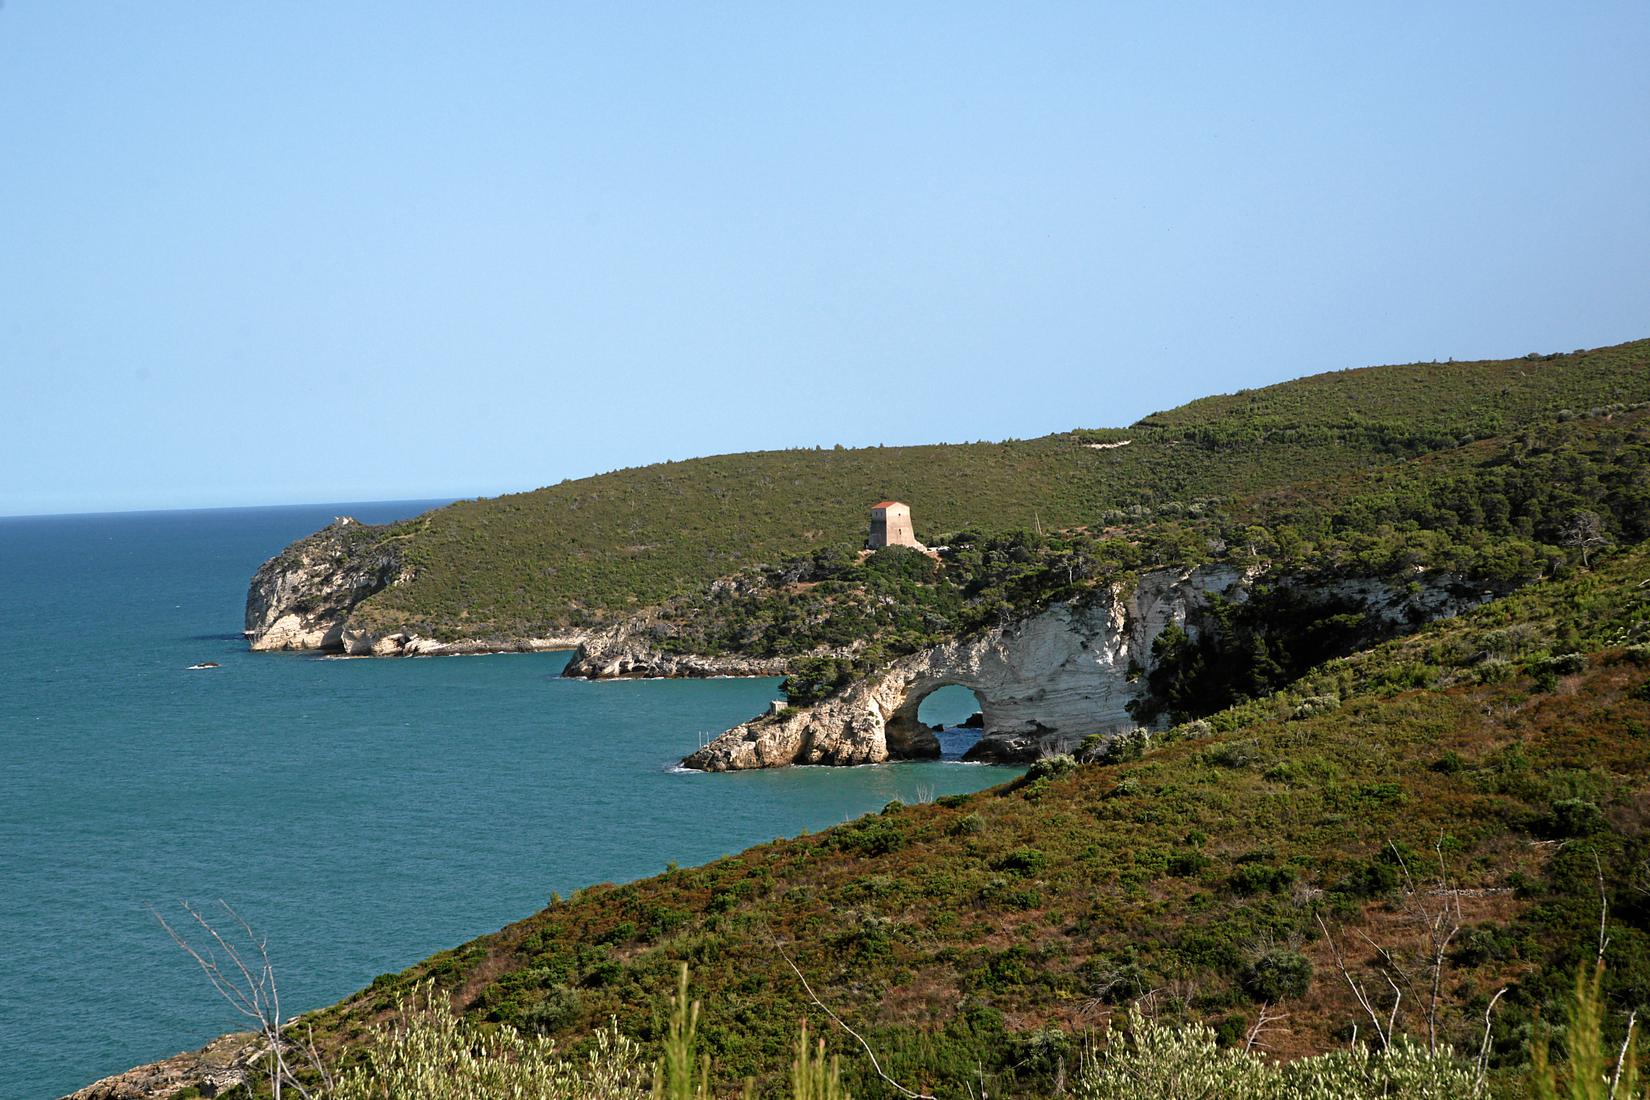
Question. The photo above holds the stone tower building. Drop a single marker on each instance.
(891, 526)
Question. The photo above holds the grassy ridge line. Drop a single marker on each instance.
(586, 551)
(981, 935)
(1496, 512)
(1450, 398)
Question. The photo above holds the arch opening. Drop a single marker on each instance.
(955, 715)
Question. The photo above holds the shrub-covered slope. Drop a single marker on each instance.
(1491, 771)
(586, 551)
(1498, 512)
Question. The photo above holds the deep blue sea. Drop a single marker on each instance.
(361, 814)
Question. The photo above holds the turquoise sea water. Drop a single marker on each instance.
(359, 813)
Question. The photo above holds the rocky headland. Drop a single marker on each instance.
(307, 596)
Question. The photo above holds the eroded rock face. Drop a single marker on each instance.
(1043, 683)
(1058, 675)
(356, 641)
(302, 597)
(627, 651)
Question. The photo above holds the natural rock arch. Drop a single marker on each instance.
(1041, 682)
(904, 726)
(1047, 681)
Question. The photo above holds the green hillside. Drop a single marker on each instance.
(1498, 512)
(1494, 768)
(585, 551)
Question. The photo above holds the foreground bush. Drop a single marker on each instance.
(430, 1054)
(1187, 1063)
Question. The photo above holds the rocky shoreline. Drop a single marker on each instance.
(225, 1063)
(1044, 682)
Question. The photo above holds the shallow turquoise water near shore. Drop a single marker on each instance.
(360, 813)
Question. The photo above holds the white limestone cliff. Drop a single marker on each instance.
(305, 596)
(302, 597)
(1043, 683)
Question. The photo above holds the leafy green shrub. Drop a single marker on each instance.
(872, 836)
(1116, 748)
(815, 678)
(1011, 895)
(1565, 664)
(1449, 764)
(1573, 817)
(1165, 1062)
(812, 1076)
(623, 932)
(1593, 1072)
(1258, 878)
(1185, 864)
(1278, 975)
(1022, 861)
(1232, 754)
(559, 1007)
(1051, 767)
(1315, 704)
(428, 1053)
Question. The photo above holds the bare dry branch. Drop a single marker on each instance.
(1621, 1058)
(1603, 908)
(1363, 999)
(869, 1053)
(1484, 1047)
(1263, 1024)
(248, 985)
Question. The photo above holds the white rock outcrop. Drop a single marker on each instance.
(302, 597)
(629, 650)
(1048, 681)
(356, 641)
(1055, 677)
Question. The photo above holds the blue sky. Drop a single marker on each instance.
(281, 252)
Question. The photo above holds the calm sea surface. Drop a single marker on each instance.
(362, 814)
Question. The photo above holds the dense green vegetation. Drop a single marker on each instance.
(1493, 770)
(586, 551)
(1494, 514)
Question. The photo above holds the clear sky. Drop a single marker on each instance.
(280, 251)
